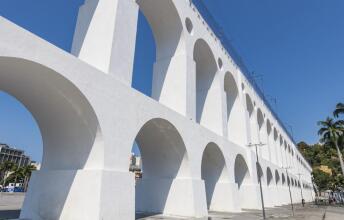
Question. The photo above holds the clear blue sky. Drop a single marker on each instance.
(296, 45)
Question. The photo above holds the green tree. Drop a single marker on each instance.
(27, 171)
(16, 176)
(321, 179)
(5, 168)
(330, 132)
(21, 175)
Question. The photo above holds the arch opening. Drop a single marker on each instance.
(164, 162)
(69, 126)
(71, 134)
(260, 173)
(235, 129)
(283, 179)
(241, 171)
(253, 123)
(157, 65)
(214, 173)
(269, 176)
(277, 177)
(208, 93)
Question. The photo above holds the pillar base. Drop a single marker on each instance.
(224, 198)
(250, 197)
(79, 194)
(171, 197)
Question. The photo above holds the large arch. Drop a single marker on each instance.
(264, 152)
(241, 171)
(214, 173)
(252, 119)
(269, 177)
(242, 178)
(283, 179)
(270, 140)
(260, 119)
(234, 109)
(277, 177)
(208, 93)
(71, 133)
(169, 68)
(164, 161)
(68, 124)
(276, 148)
(260, 172)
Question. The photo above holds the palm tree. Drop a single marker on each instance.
(6, 167)
(16, 176)
(330, 132)
(339, 110)
(27, 171)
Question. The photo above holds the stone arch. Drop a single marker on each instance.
(69, 126)
(249, 105)
(234, 109)
(164, 161)
(166, 25)
(71, 133)
(241, 171)
(260, 172)
(283, 179)
(269, 177)
(268, 127)
(260, 119)
(253, 123)
(208, 93)
(275, 146)
(277, 177)
(168, 32)
(214, 173)
(281, 140)
(275, 134)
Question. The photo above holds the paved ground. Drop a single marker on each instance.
(10, 205)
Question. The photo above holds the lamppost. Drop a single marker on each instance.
(288, 182)
(259, 180)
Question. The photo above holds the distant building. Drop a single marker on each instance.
(13, 155)
(135, 163)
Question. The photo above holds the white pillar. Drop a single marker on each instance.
(105, 36)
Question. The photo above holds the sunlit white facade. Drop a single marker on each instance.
(193, 133)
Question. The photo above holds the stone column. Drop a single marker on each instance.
(105, 36)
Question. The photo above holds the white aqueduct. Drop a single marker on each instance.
(193, 132)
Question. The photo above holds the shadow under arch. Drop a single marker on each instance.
(241, 171)
(260, 172)
(253, 123)
(214, 172)
(283, 179)
(71, 134)
(269, 176)
(164, 161)
(277, 177)
(208, 93)
(235, 129)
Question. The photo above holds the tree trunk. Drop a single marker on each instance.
(340, 158)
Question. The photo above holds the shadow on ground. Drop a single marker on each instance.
(9, 214)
